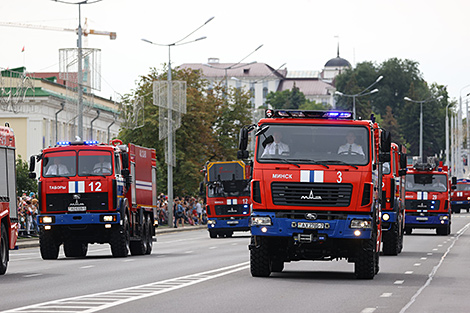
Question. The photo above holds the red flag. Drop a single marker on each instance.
(22, 50)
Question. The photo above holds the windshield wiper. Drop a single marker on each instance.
(341, 162)
(284, 160)
(312, 162)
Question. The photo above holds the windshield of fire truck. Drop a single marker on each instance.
(463, 187)
(94, 163)
(304, 143)
(56, 164)
(426, 182)
(237, 188)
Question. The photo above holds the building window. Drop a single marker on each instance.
(265, 92)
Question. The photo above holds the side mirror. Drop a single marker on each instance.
(453, 187)
(242, 154)
(202, 190)
(402, 172)
(32, 175)
(243, 139)
(125, 162)
(454, 180)
(32, 163)
(385, 146)
(125, 172)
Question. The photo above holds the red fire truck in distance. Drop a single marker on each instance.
(8, 205)
(427, 199)
(393, 201)
(227, 197)
(315, 189)
(460, 197)
(96, 193)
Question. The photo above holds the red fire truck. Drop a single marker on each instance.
(428, 198)
(460, 197)
(393, 201)
(315, 190)
(8, 205)
(96, 193)
(227, 197)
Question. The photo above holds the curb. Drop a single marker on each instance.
(23, 243)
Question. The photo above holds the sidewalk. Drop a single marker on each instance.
(32, 242)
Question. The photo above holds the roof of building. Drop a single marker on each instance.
(309, 87)
(338, 62)
(239, 70)
(302, 74)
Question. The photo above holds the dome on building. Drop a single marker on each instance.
(338, 62)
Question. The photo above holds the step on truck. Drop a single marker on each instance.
(460, 196)
(315, 189)
(427, 200)
(8, 205)
(228, 201)
(393, 201)
(96, 193)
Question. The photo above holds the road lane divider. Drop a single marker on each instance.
(104, 300)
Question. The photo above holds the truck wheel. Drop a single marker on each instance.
(139, 247)
(48, 246)
(212, 233)
(4, 250)
(73, 249)
(277, 266)
(149, 236)
(400, 248)
(366, 263)
(444, 230)
(229, 234)
(391, 241)
(408, 230)
(120, 239)
(260, 263)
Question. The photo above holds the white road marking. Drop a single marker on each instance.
(87, 266)
(417, 264)
(368, 310)
(399, 282)
(435, 249)
(434, 270)
(105, 300)
(430, 253)
(424, 258)
(386, 295)
(210, 248)
(32, 275)
(409, 272)
(189, 252)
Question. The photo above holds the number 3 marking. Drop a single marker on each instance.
(340, 177)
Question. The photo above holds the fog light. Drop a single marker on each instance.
(264, 229)
(46, 219)
(443, 217)
(107, 225)
(47, 227)
(442, 222)
(357, 233)
(261, 220)
(386, 217)
(211, 222)
(107, 218)
(361, 224)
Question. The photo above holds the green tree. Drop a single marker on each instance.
(24, 184)
(286, 99)
(390, 123)
(209, 129)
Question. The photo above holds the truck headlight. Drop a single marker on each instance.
(46, 220)
(360, 224)
(386, 217)
(261, 220)
(211, 222)
(443, 217)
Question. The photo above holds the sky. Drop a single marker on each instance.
(304, 34)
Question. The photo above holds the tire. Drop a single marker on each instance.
(391, 241)
(229, 234)
(48, 246)
(139, 247)
(4, 250)
(260, 263)
(408, 230)
(366, 262)
(120, 239)
(73, 249)
(277, 266)
(443, 231)
(149, 236)
(212, 233)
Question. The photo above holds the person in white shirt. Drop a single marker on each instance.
(351, 147)
(57, 168)
(276, 147)
(102, 167)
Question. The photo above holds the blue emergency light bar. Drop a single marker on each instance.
(76, 143)
(338, 115)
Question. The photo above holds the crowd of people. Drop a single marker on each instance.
(27, 215)
(186, 210)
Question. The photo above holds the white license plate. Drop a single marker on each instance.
(232, 222)
(307, 225)
(77, 208)
(421, 218)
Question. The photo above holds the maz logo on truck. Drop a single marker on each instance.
(143, 154)
(311, 196)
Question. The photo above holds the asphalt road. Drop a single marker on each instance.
(189, 272)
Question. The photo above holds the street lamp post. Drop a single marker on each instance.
(447, 134)
(421, 122)
(364, 92)
(170, 115)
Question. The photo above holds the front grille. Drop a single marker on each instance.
(311, 194)
(230, 209)
(93, 201)
(422, 204)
